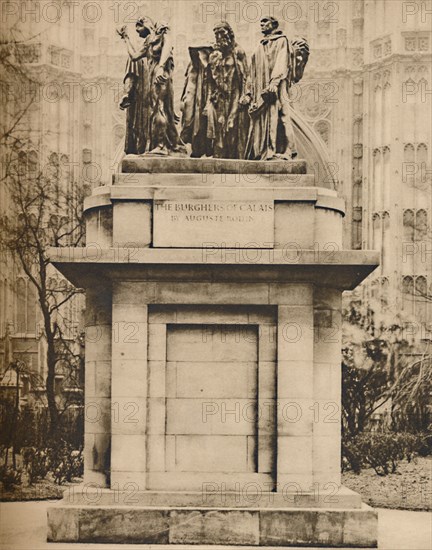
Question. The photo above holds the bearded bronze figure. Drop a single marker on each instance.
(215, 98)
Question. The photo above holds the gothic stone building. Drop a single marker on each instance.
(367, 92)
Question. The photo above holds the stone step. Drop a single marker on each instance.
(220, 180)
(136, 164)
(212, 496)
(258, 527)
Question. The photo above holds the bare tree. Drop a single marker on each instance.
(41, 215)
(43, 208)
(19, 85)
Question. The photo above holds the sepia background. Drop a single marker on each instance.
(366, 91)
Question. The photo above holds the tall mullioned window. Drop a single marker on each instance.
(25, 307)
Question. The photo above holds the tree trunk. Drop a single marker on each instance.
(50, 390)
(51, 365)
(16, 416)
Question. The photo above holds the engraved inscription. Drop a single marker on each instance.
(199, 223)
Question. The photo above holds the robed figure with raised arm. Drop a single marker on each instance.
(149, 93)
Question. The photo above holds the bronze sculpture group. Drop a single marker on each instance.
(230, 109)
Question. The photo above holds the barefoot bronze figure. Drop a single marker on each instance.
(149, 92)
(215, 98)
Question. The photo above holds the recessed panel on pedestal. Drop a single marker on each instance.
(212, 420)
(211, 397)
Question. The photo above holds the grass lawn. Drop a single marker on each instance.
(42, 490)
(410, 488)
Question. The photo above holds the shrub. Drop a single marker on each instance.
(352, 458)
(425, 444)
(10, 477)
(36, 463)
(381, 451)
(409, 445)
(66, 462)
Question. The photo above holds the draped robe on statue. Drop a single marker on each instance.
(275, 127)
(151, 119)
(271, 129)
(138, 116)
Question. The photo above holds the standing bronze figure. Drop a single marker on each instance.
(276, 65)
(149, 92)
(215, 98)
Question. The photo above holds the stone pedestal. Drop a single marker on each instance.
(213, 378)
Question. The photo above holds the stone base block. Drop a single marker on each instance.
(138, 164)
(223, 526)
(211, 496)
